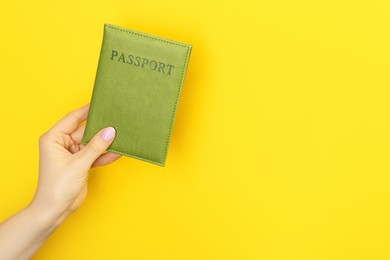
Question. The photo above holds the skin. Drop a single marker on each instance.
(64, 166)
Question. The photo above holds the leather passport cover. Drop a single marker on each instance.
(137, 89)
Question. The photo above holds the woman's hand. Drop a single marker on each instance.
(64, 165)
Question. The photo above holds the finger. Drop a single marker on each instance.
(96, 146)
(77, 135)
(74, 148)
(71, 121)
(106, 158)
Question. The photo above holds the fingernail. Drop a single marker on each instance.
(108, 134)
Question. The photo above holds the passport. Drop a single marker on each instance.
(137, 89)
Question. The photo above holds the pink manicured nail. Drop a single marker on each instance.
(108, 134)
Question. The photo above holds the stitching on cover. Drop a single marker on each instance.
(176, 101)
(141, 158)
(177, 95)
(146, 36)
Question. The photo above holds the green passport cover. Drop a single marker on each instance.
(137, 89)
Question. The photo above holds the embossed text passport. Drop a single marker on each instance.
(137, 89)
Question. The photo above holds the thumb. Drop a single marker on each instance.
(97, 145)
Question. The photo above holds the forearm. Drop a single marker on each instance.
(23, 234)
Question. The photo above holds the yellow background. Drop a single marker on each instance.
(280, 148)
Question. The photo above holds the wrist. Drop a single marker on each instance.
(48, 218)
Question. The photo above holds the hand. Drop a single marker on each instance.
(64, 162)
(64, 166)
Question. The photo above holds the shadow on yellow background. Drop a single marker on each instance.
(280, 145)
